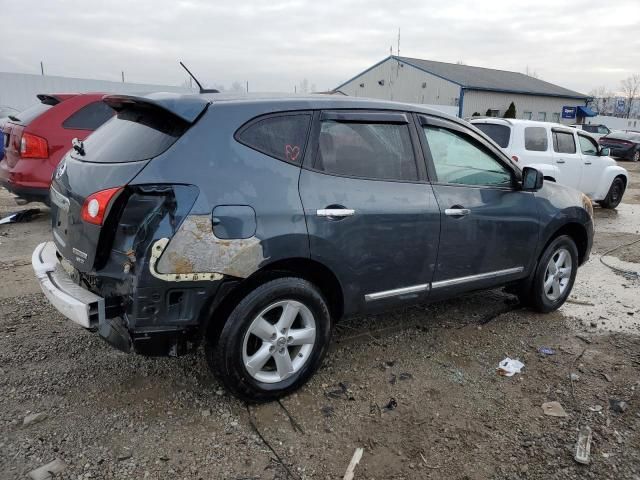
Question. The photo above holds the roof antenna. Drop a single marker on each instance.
(202, 90)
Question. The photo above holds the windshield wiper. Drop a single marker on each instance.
(13, 118)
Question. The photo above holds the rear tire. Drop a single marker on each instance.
(553, 278)
(614, 197)
(636, 156)
(273, 340)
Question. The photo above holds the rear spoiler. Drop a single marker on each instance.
(54, 98)
(187, 108)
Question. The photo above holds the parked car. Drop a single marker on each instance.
(596, 130)
(254, 224)
(564, 155)
(623, 145)
(5, 111)
(38, 137)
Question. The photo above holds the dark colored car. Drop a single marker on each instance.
(254, 224)
(37, 138)
(623, 145)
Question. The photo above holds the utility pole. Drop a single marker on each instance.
(247, 86)
(41, 68)
(398, 50)
(122, 76)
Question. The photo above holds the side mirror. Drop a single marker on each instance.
(532, 179)
(604, 152)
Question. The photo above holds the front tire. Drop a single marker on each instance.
(614, 197)
(554, 276)
(273, 340)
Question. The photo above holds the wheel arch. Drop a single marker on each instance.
(214, 316)
(578, 233)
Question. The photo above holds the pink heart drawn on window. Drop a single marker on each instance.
(291, 152)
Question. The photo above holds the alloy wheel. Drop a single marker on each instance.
(279, 341)
(558, 274)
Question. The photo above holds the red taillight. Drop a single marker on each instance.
(95, 205)
(514, 158)
(33, 146)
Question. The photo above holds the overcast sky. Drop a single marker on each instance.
(275, 44)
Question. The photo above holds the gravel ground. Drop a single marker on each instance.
(416, 388)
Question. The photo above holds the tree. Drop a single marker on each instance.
(631, 90)
(488, 114)
(476, 114)
(600, 99)
(531, 73)
(511, 111)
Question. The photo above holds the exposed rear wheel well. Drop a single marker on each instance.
(214, 317)
(624, 180)
(578, 234)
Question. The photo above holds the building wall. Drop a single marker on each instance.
(19, 90)
(479, 101)
(615, 123)
(403, 83)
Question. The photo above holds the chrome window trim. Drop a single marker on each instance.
(396, 292)
(479, 276)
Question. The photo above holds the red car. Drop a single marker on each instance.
(38, 137)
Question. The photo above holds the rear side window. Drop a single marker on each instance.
(135, 133)
(498, 133)
(89, 117)
(368, 150)
(535, 139)
(30, 114)
(282, 137)
(563, 142)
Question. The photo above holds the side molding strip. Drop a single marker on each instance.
(396, 292)
(473, 278)
(442, 283)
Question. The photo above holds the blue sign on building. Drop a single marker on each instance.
(569, 112)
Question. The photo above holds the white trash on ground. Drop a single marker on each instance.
(508, 367)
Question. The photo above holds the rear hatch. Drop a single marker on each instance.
(109, 159)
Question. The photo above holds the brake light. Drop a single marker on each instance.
(514, 158)
(33, 146)
(95, 205)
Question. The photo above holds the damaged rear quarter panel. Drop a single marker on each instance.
(196, 249)
(229, 173)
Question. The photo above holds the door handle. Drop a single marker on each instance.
(560, 160)
(335, 212)
(457, 212)
(587, 163)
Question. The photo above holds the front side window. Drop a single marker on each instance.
(563, 142)
(89, 117)
(459, 160)
(588, 146)
(535, 139)
(282, 137)
(369, 150)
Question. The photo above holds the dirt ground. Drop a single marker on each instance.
(416, 388)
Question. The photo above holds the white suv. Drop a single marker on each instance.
(563, 154)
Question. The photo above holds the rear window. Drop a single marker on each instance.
(281, 136)
(498, 133)
(136, 133)
(25, 117)
(535, 139)
(89, 117)
(590, 128)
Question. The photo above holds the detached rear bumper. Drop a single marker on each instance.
(75, 302)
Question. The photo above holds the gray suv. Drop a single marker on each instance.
(253, 224)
